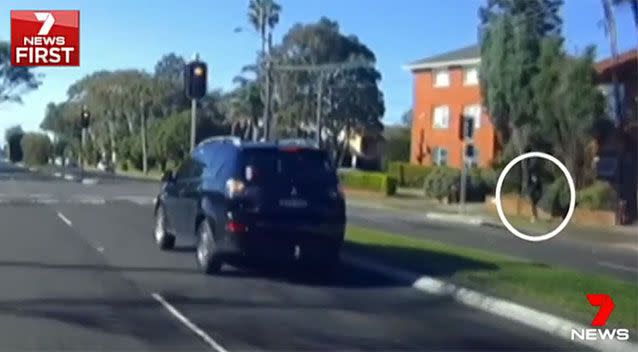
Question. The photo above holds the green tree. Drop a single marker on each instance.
(14, 80)
(350, 100)
(511, 36)
(569, 106)
(13, 135)
(37, 148)
(406, 118)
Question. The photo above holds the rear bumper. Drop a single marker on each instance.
(274, 242)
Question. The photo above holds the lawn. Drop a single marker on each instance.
(551, 289)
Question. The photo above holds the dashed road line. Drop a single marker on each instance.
(194, 328)
(64, 218)
(618, 267)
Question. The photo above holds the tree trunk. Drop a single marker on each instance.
(111, 127)
(344, 146)
(233, 128)
(143, 136)
(129, 123)
(610, 22)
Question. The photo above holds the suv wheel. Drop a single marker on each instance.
(164, 240)
(207, 259)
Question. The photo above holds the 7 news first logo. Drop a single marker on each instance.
(606, 304)
(45, 38)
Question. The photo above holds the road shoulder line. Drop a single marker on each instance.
(194, 328)
(551, 324)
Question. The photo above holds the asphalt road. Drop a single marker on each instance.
(80, 271)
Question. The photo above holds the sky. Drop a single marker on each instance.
(116, 34)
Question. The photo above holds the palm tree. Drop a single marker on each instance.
(610, 30)
(634, 9)
(264, 16)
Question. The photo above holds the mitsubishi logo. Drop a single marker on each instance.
(293, 192)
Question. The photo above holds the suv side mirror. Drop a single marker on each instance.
(168, 176)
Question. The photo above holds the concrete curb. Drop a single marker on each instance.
(90, 181)
(551, 324)
(455, 218)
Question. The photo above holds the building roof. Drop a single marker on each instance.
(469, 55)
(624, 58)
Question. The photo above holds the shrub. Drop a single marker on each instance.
(409, 175)
(36, 148)
(369, 181)
(598, 196)
(555, 199)
(441, 183)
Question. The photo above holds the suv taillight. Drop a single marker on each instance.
(234, 187)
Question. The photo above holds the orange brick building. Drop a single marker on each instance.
(446, 87)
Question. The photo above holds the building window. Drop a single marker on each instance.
(470, 76)
(473, 111)
(441, 117)
(442, 78)
(439, 156)
(608, 92)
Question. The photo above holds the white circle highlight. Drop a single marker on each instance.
(572, 197)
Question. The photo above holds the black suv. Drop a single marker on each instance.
(253, 200)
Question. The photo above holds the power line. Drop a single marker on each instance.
(350, 65)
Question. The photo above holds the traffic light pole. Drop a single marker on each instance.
(82, 153)
(463, 189)
(193, 122)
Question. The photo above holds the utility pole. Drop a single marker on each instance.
(143, 131)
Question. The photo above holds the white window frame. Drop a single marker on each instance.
(437, 156)
(476, 111)
(436, 74)
(441, 122)
(468, 69)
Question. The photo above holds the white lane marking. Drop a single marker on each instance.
(194, 328)
(66, 221)
(618, 267)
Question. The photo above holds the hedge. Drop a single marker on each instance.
(598, 196)
(409, 175)
(442, 183)
(369, 181)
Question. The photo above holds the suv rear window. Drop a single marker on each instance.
(293, 164)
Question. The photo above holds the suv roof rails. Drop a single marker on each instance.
(302, 142)
(222, 139)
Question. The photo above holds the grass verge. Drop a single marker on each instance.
(551, 289)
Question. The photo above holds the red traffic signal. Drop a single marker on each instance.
(195, 79)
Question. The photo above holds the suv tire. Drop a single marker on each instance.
(163, 239)
(205, 254)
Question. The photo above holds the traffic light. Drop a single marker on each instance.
(85, 118)
(467, 127)
(469, 151)
(195, 77)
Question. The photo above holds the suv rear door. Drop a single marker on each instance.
(292, 185)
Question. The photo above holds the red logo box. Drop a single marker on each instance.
(45, 38)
